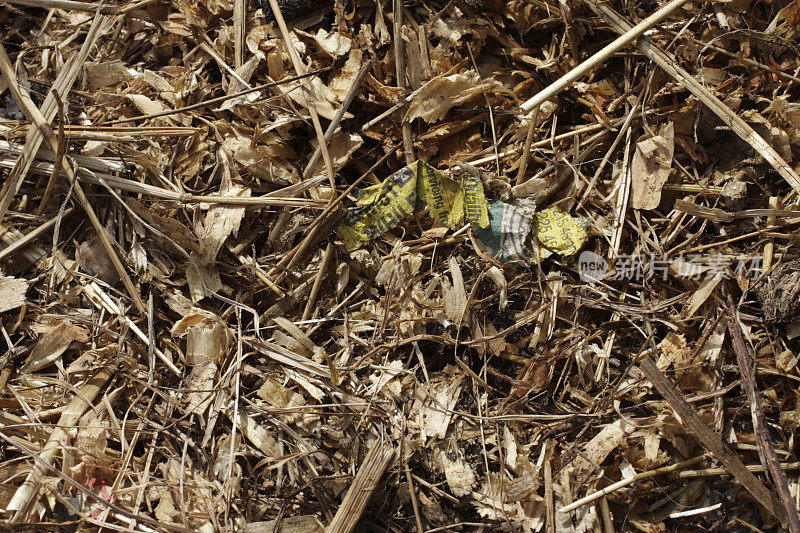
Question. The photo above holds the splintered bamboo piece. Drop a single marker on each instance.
(668, 65)
(364, 484)
(630, 35)
(25, 495)
(400, 72)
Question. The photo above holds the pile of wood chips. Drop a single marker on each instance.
(189, 346)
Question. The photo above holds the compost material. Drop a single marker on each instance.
(371, 265)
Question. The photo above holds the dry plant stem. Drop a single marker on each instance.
(62, 84)
(668, 65)
(33, 235)
(94, 164)
(134, 6)
(615, 46)
(76, 130)
(400, 73)
(550, 507)
(605, 513)
(213, 101)
(566, 15)
(744, 359)
(383, 115)
(288, 42)
(207, 45)
(239, 19)
(24, 496)
(691, 188)
(526, 151)
(621, 204)
(257, 200)
(749, 526)
(628, 481)
(608, 345)
(696, 427)
(5, 374)
(59, 161)
(348, 99)
(68, 5)
(775, 203)
(323, 267)
(706, 472)
(414, 503)
(274, 198)
(364, 484)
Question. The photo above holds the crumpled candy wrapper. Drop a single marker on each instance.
(505, 229)
(381, 207)
(509, 235)
(560, 232)
(506, 238)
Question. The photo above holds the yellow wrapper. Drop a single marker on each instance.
(381, 207)
(559, 232)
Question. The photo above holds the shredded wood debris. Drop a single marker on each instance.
(372, 265)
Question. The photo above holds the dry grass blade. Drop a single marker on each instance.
(68, 5)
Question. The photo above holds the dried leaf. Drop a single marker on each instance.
(439, 95)
(458, 473)
(12, 293)
(332, 43)
(650, 168)
(100, 75)
(455, 295)
(55, 336)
